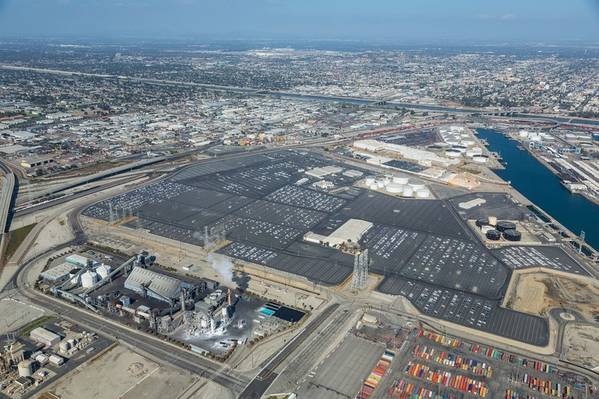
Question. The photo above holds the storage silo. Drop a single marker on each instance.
(422, 193)
(25, 368)
(512, 235)
(504, 225)
(88, 279)
(400, 180)
(493, 235)
(408, 192)
(395, 188)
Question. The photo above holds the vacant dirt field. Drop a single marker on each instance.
(536, 292)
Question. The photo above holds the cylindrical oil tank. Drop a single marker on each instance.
(373, 186)
(492, 220)
(504, 225)
(512, 235)
(25, 368)
(380, 183)
(481, 222)
(400, 180)
(493, 235)
(422, 193)
(369, 181)
(395, 188)
(417, 186)
(408, 192)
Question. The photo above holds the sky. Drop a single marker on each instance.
(402, 21)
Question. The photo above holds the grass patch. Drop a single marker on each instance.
(15, 238)
(39, 322)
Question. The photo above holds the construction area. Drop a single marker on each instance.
(537, 291)
(300, 216)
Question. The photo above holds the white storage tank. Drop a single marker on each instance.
(369, 181)
(380, 183)
(417, 186)
(408, 192)
(395, 188)
(400, 180)
(64, 346)
(103, 271)
(88, 279)
(422, 193)
(25, 368)
(373, 186)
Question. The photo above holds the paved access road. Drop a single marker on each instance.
(262, 381)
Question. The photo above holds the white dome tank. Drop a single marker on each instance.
(369, 181)
(408, 192)
(373, 186)
(380, 183)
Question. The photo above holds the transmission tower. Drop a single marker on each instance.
(360, 275)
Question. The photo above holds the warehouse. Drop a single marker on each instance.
(59, 272)
(154, 285)
(350, 231)
(45, 337)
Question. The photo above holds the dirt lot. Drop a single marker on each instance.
(537, 292)
(581, 343)
(120, 373)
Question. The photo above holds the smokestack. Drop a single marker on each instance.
(229, 297)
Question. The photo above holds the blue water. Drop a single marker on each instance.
(543, 188)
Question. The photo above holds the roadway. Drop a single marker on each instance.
(23, 282)
(373, 102)
(267, 375)
(6, 196)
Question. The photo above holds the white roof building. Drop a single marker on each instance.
(414, 154)
(58, 272)
(152, 284)
(352, 230)
(43, 336)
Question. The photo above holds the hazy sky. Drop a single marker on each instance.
(396, 20)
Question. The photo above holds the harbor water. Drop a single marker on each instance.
(537, 183)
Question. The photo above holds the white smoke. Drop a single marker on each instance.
(223, 266)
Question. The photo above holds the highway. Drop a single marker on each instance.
(374, 102)
(6, 195)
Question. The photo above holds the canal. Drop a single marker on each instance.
(542, 187)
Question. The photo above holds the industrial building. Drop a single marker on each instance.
(148, 283)
(350, 232)
(59, 272)
(45, 337)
